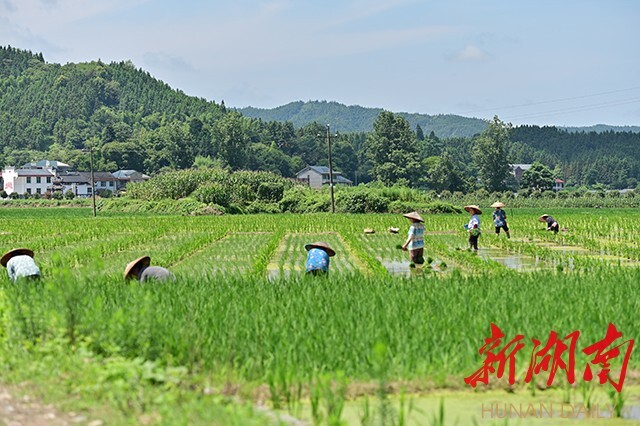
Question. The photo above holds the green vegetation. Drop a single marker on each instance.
(242, 322)
(134, 121)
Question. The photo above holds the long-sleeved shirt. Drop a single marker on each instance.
(317, 260)
(21, 267)
(475, 220)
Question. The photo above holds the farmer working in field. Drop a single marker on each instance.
(500, 218)
(473, 227)
(552, 224)
(20, 264)
(415, 239)
(140, 270)
(318, 258)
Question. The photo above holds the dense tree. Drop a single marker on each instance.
(442, 173)
(538, 177)
(230, 140)
(391, 148)
(490, 155)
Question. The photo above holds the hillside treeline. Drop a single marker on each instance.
(134, 121)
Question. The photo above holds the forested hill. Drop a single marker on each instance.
(355, 118)
(134, 121)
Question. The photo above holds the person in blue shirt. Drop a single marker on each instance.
(415, 239)
(20, 264)
(140, 270)
(318, 258)
(500, 218)
(473, 227)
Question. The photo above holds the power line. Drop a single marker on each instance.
(552, 100)
(569, 110)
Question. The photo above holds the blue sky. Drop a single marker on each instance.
(555, 62)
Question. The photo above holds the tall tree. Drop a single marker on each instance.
(391, 149)
(490, 155)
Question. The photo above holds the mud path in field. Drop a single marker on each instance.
(27, 411)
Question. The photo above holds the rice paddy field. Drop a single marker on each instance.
(243, 336)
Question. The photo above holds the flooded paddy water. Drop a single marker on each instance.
(553, 407)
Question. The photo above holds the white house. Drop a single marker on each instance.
(316, 176)
(27, 181)
(47, 176)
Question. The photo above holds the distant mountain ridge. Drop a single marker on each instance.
(355, 118)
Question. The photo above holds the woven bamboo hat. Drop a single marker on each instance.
(15, 252)
(498, 204)
(320, 245)
(543, 218)
(141, 261)
(414, 216)
(473, 207)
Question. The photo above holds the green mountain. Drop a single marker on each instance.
(355, 118)
(134, 121)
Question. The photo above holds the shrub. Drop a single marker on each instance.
(262, 207)
(270, 191)
(213, 193)
(26, 195)
(3, 194)
(57, 195)
(436, 207)
(36, 196)
(69, 194)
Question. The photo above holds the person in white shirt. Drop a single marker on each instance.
(473, 227)
(20, 264)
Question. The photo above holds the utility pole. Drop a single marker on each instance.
(93, 184)
(333, 202)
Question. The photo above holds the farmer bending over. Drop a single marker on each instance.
(140, 270)
(19, 263)
(552, 224)
(318, 258)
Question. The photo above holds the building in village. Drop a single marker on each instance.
(45, 176)
(519, 169)
(316, 176)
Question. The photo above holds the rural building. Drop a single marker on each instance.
(519, 169)
(44, 176)
(123, 177)
(558, 185)
(316, 176)
(27, 181)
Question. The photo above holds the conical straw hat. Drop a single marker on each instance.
(15, 252)
(473, 207)
(498, 204)
(141, 261)
(320, 245)
(543, 218)
(414, 216)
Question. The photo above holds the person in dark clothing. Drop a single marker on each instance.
(552, 224)
(140, 270)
